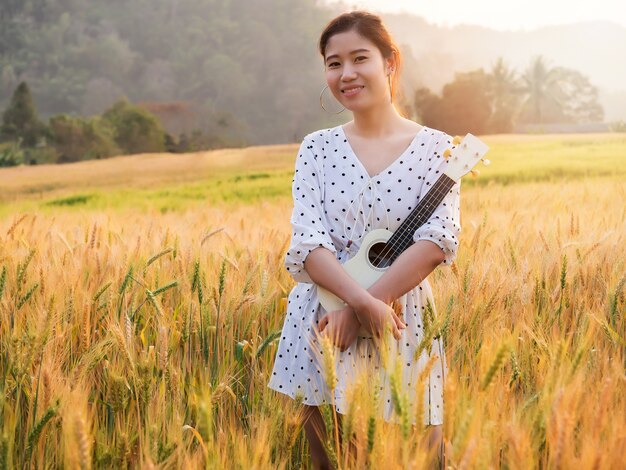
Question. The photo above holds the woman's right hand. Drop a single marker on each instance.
(375, 315)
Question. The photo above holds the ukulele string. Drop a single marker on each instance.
(390, 248)
(438, 189)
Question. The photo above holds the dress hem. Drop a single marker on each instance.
(337, 408)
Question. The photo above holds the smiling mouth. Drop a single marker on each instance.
(351, 91)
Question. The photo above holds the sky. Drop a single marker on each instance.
(501, 15)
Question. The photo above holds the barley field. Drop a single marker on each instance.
(141, 300)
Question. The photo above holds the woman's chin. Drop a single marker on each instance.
(359, 107)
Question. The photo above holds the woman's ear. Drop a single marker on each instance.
(391, 63)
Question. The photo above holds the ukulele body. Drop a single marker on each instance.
(366, 267)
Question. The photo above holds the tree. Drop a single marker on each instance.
(136, 130)
(541, 86)
(75, 139)
(427, 107)
(11, 33)
(558, 94)
(579, 98)
(505, 94)
(11, 155)
(464, 106)
(80, 58)
(20, 120)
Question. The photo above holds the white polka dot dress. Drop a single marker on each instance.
(336, 200)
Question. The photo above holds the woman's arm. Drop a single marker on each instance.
(325, 271)
(368, 305)
(407, 271)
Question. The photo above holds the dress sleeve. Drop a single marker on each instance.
(308, 230)
(444, 225)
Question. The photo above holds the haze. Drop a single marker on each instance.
(509, 15)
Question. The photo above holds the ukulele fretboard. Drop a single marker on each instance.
(403, 236)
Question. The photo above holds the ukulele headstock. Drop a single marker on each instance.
(464, 156)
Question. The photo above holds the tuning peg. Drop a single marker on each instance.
(457, 139)
(447, 153)
(485, 161)
(475, 173)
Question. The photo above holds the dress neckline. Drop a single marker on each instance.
(397, 159)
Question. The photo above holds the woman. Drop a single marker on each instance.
(366, 174)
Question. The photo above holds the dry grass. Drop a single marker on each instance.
(138, 171)
(136, 339)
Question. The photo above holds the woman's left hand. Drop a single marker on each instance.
(341, 326)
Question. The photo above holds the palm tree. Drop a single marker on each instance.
(542, 86)
(505, 90)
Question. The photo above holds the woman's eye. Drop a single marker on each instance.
(333, 63)
(360, 57)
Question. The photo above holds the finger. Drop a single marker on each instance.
(396, 331)
(399, 323)
(397, 310)
(396, 323)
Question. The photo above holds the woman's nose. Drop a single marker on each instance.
(348, 73)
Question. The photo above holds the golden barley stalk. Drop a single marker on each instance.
(157, 256)
(328, 351)
(495, 365)
(420, 388)
(82, 441)
(47, 388)
(163, 347)
(468, 454)
(85, 328)
(15, 224)
(92, 238)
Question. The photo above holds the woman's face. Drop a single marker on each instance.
(356, 71)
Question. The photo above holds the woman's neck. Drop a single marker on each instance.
(377, 122)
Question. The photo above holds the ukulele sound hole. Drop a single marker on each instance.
(379, 255)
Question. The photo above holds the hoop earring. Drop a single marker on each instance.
(322, 104)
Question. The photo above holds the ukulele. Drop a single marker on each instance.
(381, 247)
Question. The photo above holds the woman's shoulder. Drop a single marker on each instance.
(323, 135)
(435, 133)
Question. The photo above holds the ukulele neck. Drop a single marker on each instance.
(402, 238)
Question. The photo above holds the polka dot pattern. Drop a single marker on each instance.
(327, 181)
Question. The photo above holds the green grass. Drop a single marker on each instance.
(514, 160)
(553, 160)
(75, 200)
(238, 189)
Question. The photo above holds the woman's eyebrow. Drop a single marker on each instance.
(353, 52)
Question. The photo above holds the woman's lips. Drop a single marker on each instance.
(352, 91)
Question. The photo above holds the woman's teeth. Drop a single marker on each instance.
(352, 91)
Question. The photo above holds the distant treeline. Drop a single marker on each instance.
(495, 101)
(247, 69)
(122, 129)
(204, 74)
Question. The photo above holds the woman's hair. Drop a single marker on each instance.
(371, 27)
